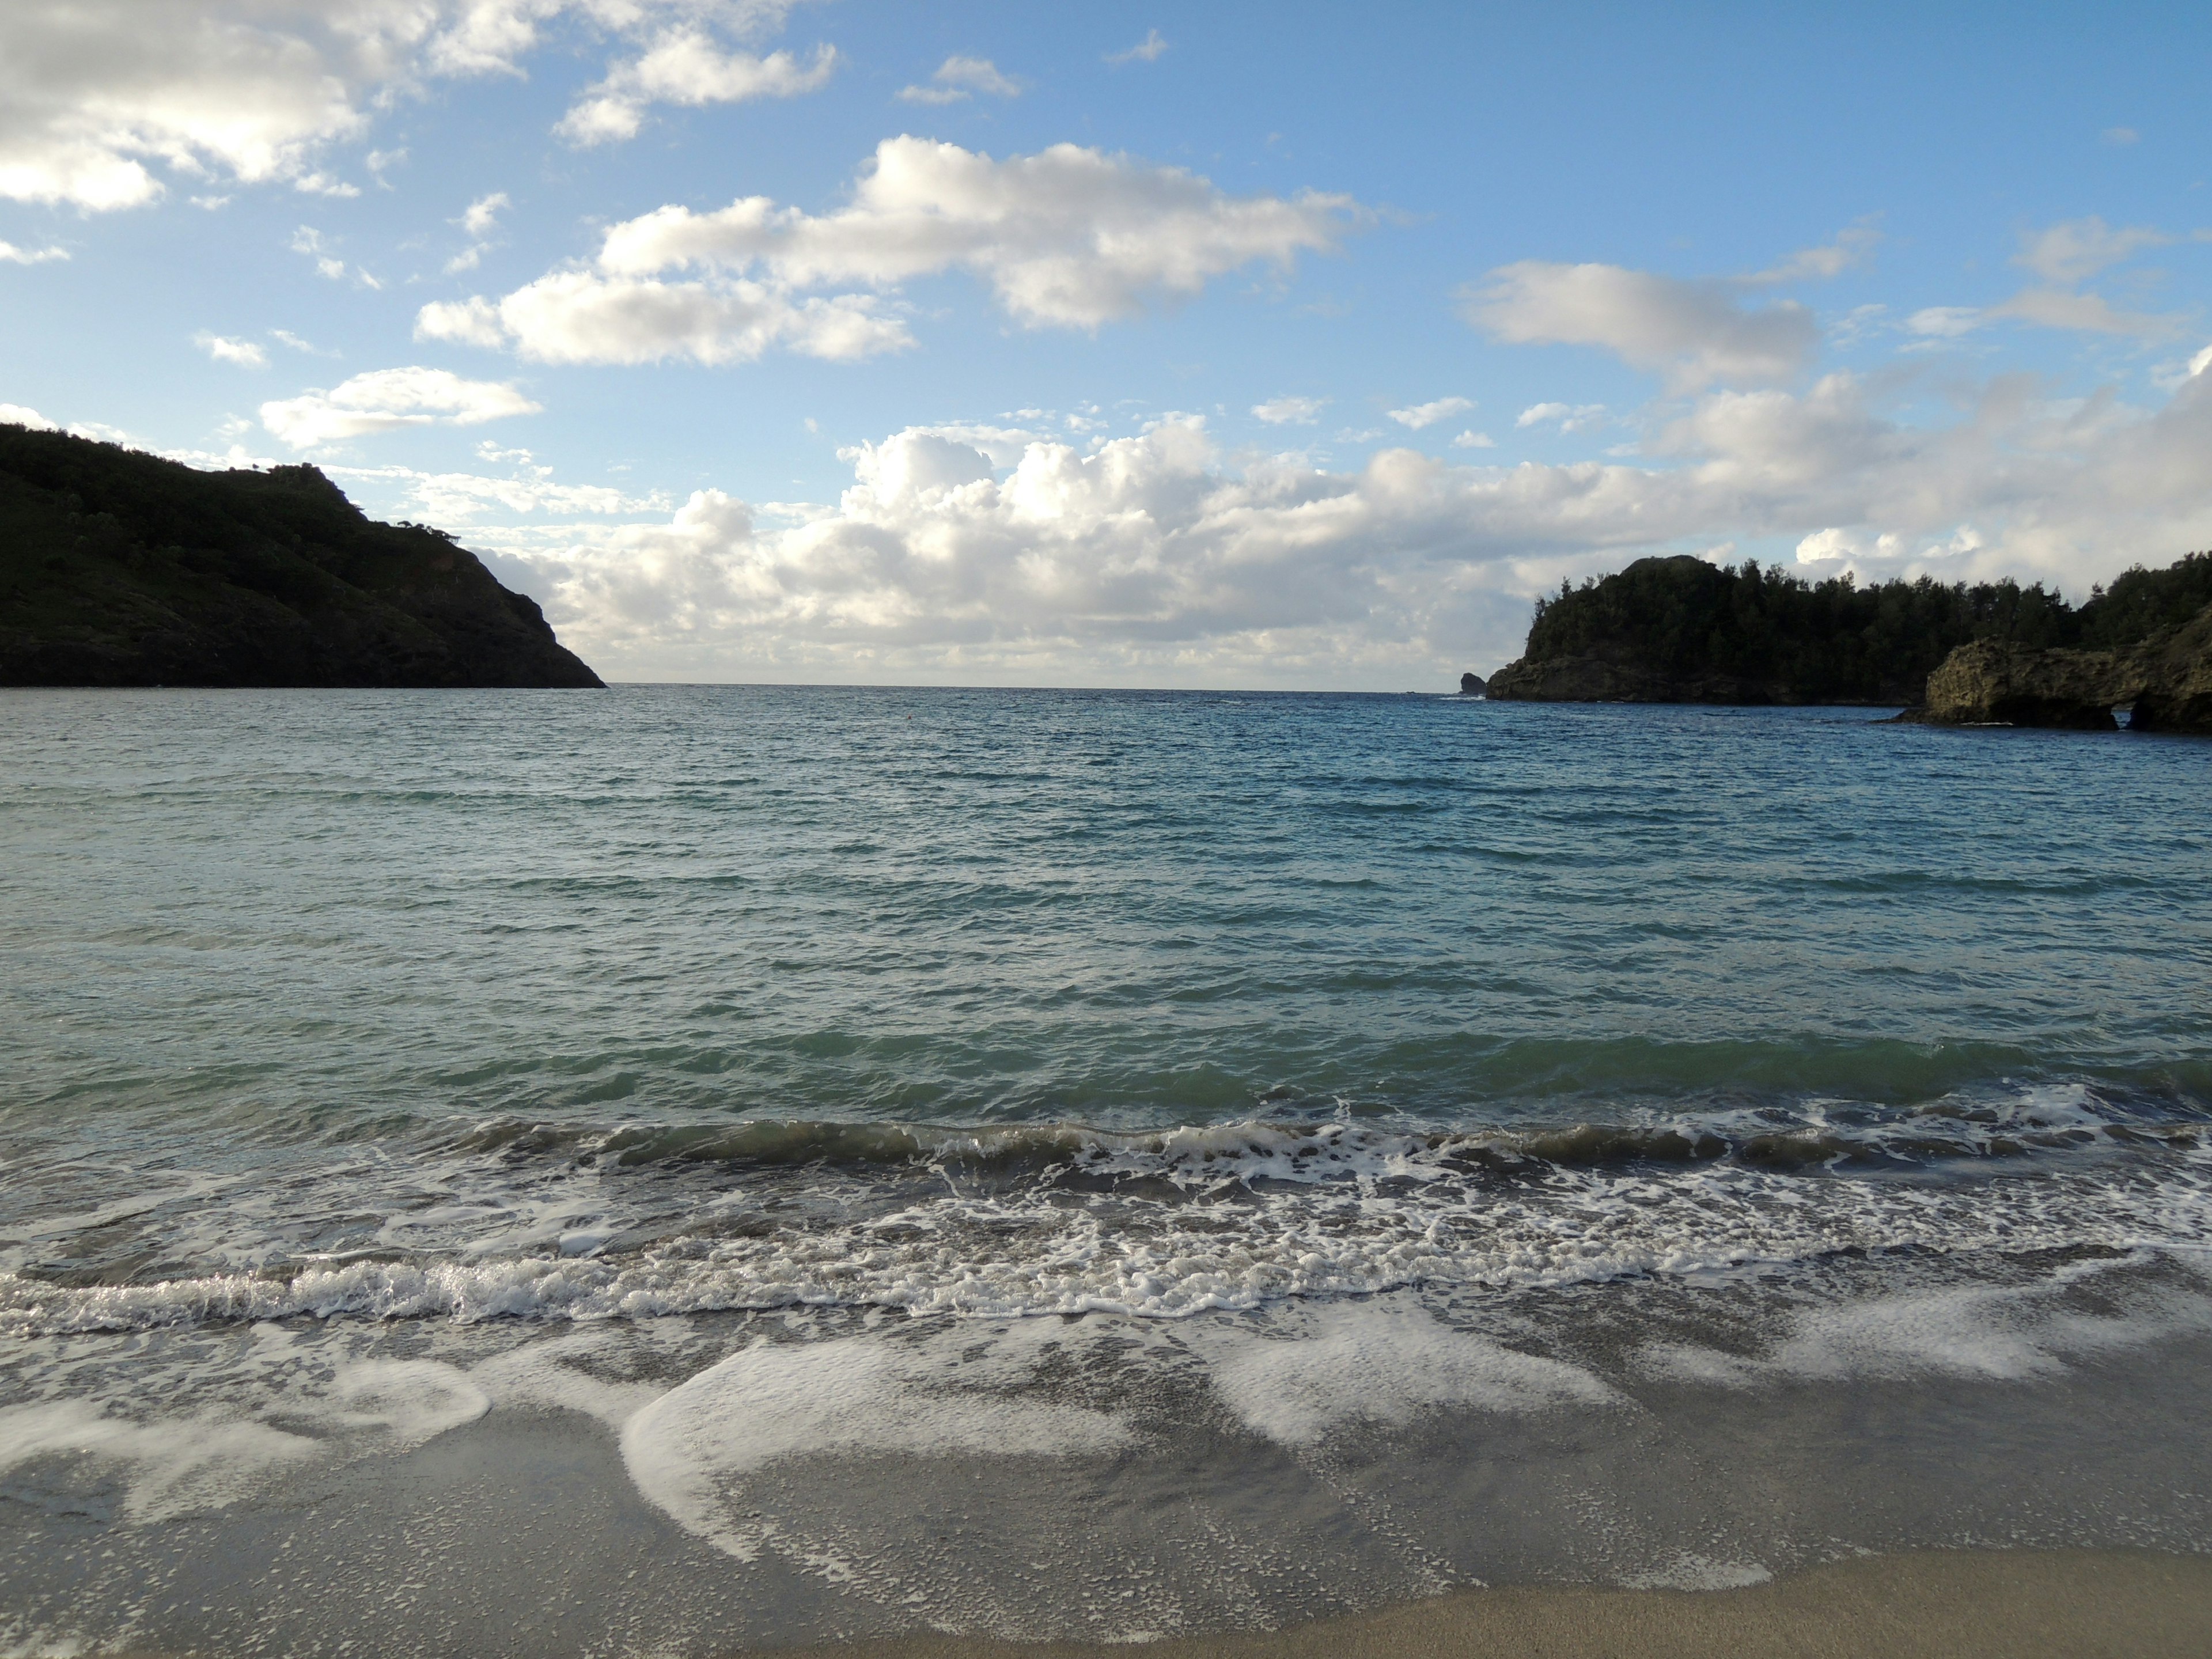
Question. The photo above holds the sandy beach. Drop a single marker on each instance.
(2014, 1604)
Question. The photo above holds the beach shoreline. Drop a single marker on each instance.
(1961, 1604)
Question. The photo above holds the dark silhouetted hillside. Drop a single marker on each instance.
(121, 569)
(1681, 630)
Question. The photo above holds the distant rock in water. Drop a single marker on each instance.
(1471, 685)
(119, 567)
(2167, 679)
(1681, 630)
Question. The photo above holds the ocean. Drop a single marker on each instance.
(683, 1169)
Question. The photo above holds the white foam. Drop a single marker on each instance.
(170, 1468)
(1699, 1572)
(1997, 1333)
(408, 1400)
(1385, 1363)
(690, 1451)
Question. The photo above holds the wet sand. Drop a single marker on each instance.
(2018, 1604)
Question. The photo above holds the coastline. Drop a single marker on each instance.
(1955, 1604)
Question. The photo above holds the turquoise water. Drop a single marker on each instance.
(747, 1070)
(423, 972)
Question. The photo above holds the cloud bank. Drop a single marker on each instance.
(960, 556)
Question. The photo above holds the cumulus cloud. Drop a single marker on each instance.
(1695, 333)
(98, 97)
(685, 66)
(12, 255)
(1291, 411)
(387, 399)
(22, 414)
(1570, 416)
(1421, 415)
(1146, 51)
(1071, 237)
(1472, 439)
(958, 79)
(582, 317)
(1151, 559)
(245, 353)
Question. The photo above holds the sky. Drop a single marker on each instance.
(1270, 346)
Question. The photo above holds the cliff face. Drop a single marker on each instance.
(2167, 678)
(122, 569)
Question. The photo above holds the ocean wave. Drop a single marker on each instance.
(1062, 1219)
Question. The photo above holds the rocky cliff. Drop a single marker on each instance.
(122, 569)
(2165, 681)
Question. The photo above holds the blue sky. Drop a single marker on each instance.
(1264, 345)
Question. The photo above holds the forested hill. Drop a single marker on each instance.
(1681, 630)
(119, 567)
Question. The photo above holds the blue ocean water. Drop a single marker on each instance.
(351, 954)
(1309, 1122)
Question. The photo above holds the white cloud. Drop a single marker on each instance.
(1423, 415)
(1149, 560)
(1570, 416)
(12, 255)
(1069, 236)
(99, 97)
(687, 67)
(479, 217)
(1291, 411)
(1146, 51)
(1944, 322)
(2045, 307)
(2085, 314)
(460, 497)
(387, 399)
(1695, 333)
(18, 415)
(958, 79)
(245, 353)
(285, 336)
(2077, 250)
(1475, 440)
(309, 240)
(1831, 258)
(2064, 256)
(579, 317)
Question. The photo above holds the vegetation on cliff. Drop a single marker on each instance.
(1681, 630)
(119, 567)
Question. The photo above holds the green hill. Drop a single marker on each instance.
(1681, 630)
(119, 567)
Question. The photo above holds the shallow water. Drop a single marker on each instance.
(749, 1070)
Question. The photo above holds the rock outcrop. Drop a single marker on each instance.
(1471, 685)
(1990, 683)
(122, 569)
(2167, 681)
(2176, 693)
